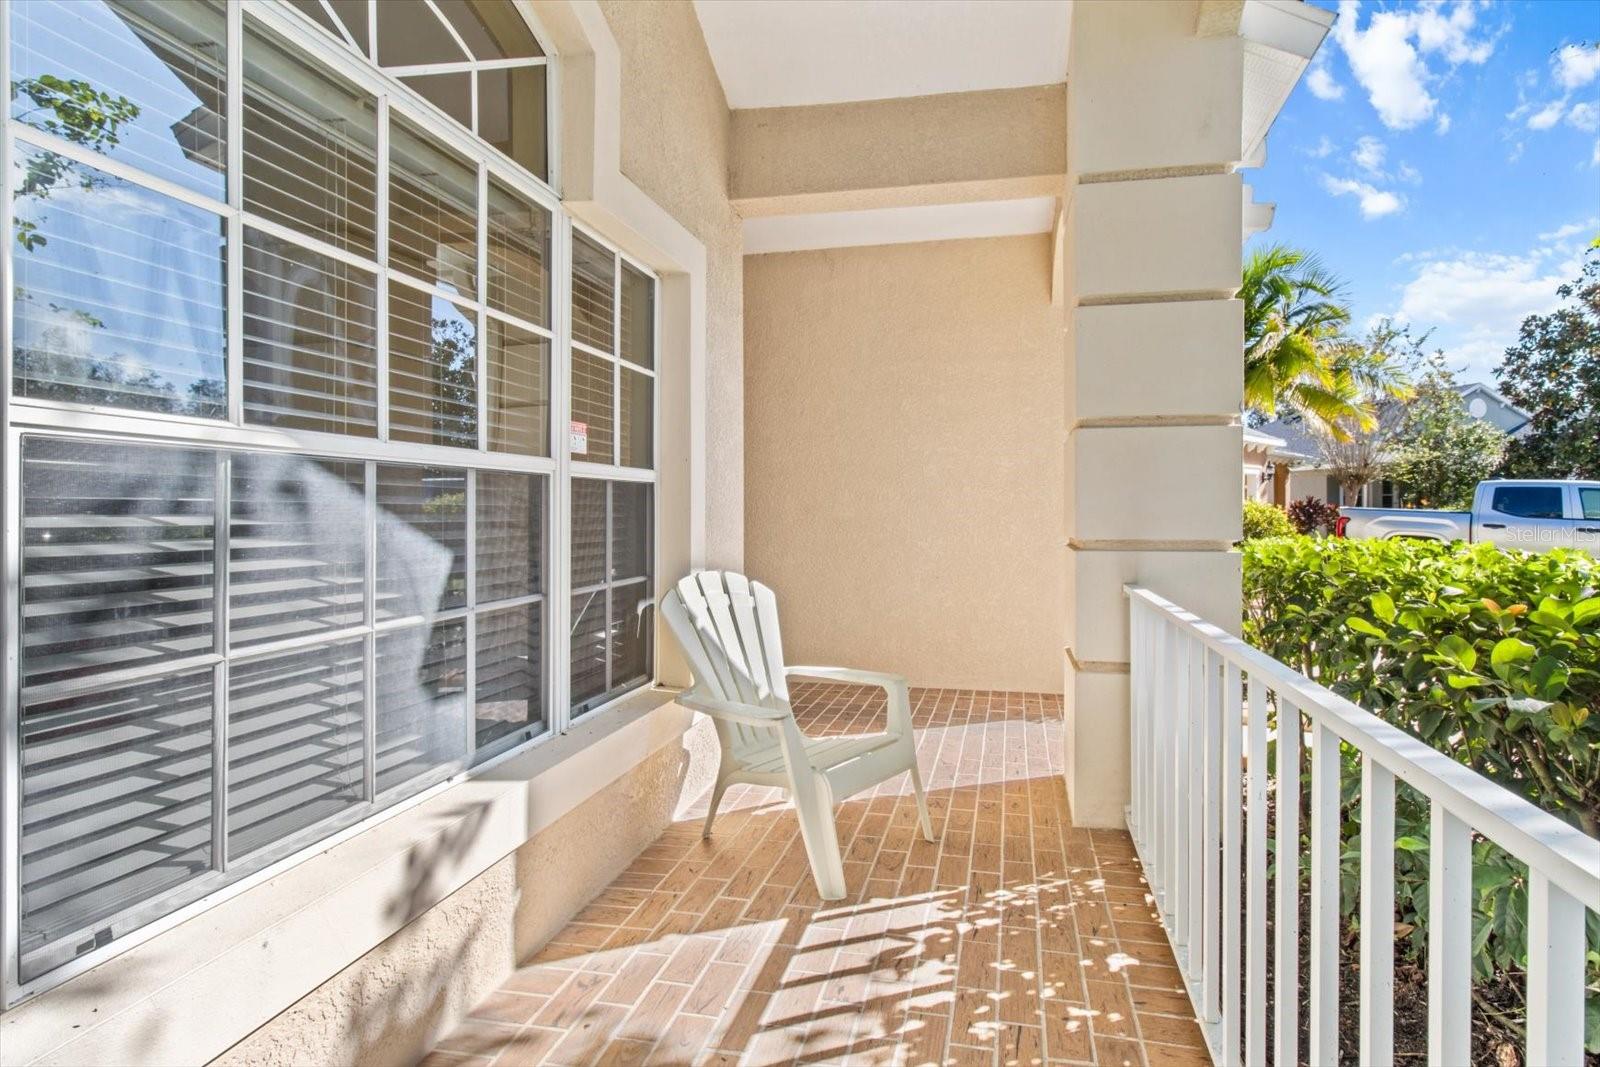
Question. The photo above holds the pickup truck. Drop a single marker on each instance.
(1533, 515)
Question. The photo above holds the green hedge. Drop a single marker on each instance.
(1492, 657)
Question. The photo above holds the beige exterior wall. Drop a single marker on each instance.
(675, 130)
(902, 458)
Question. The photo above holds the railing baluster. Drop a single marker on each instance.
(1194, 834)
(1165, 635)
(1377, 914)
(1555, 974)
(1180, 799)
(1286, 928)
(1136, 672)
(1325, 847)
(1211, 986)
(1232, 723)
(1449, 939)
(1255, 910)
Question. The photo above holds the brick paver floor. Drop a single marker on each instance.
(1015, 939)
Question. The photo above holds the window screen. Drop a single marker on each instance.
(612, 544)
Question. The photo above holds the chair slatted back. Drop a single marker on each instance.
(728, 627)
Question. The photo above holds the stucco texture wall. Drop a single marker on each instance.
(903, 458)
(675, 129)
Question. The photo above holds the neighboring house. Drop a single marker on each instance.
(376, 369)
(1296, 471)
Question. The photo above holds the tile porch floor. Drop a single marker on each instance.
(1014, 940)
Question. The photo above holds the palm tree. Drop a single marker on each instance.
(1296, 354)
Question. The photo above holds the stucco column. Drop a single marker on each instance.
(1152, 238)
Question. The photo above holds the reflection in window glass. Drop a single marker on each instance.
(433, 212)
(510, 678)
(433, 355)
(519, 390)
(638, 317)
(519, 256)
(422, 540)
(630, 631)
(1590, 501)
(593, 293)
(295, 754)
(116, 556)
(310, 147)
(296, 546)
(310, 360)
(510, 535)
(142, 83)
(119, 293)
(588, 672)
(422, 688)
(592, 387)
(636, 427)
(512, 112)
(116, 782)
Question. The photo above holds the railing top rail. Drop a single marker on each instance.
(1563, 853)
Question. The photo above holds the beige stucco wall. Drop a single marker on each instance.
(903, 458)
(675, 129)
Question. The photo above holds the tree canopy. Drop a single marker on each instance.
(1553, 372)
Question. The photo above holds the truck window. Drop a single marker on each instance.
(1589, 503)
(1528, 501)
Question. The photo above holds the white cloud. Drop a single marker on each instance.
(1408, 173)
(1585, 116)
(1594, 160)
(1572, 229)
(1389, 57)
(1576, 66)
(1547, 116)
(1476, 301)
(1322, 149)
(1375, 203)
(1368, 155)
(1322, 84)
(1443, 125)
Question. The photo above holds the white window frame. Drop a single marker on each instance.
(20, 416)
(613, 471)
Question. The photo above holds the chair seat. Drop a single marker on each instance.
(823, 752)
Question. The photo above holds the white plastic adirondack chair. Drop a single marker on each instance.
(728, 627)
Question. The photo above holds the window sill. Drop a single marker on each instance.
(187, 992)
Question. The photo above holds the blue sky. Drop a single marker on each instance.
(1444, 159)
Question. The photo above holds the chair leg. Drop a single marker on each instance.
(821, 836)
(922, 800)
(711, 812)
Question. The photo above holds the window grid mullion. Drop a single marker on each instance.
(369, 651)
(469, 696)
(605, 617)
(381, 239)
(234, 129)
(221, 509)
(483, 304)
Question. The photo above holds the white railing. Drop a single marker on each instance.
(1200, 782)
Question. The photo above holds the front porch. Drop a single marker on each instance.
(1015, 939)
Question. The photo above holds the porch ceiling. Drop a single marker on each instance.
(789, 53)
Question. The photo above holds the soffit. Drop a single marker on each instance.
(792, 53)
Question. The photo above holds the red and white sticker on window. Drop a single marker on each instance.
(578, 438)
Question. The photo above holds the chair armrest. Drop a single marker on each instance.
(896, 687)
(730, 711)
(846, 674)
